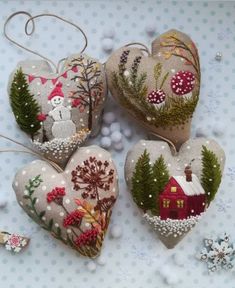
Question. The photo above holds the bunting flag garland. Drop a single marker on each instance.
(53, 80)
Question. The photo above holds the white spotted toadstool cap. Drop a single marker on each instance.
(156, 97)
(182, 82)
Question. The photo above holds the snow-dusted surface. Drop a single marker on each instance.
(133, 260)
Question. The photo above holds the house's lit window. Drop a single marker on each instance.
(180, 203)
(166, 203)
(173, 189)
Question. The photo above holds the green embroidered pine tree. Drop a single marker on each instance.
(161, 178)
(143, 189)
(24, 106)
(211, 174)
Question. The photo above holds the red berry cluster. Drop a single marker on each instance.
(87, 238)
(73, 219)
(156, 97)
(56, 195)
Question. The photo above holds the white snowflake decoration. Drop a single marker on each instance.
(218, 253)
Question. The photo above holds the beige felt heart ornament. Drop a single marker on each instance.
(74, 205)
(161, 89)
(174, 190)
(58, 109)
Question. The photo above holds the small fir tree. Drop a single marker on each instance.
(143, 189)
(24, 106)
(211, 173)
(161, 178)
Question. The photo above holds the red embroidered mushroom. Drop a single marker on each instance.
(182, 83)
(157, 97)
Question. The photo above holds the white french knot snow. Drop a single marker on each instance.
(219, 129)
(200, 132)
(116, 231)
(109, 118)
(107, 44)
(116, 136)
(105, 142)
(179, 259)
(91, 266)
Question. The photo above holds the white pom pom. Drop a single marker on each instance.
(101, 260)
(219, 129)
(116, 136)
(127, 132)
(116, 231)
(109, 117)
(3, 201)
(105, 131)
(200, 132)
(107, 44)
(105, 142)
(179, 259)
(118, 146)
(169, 274)
(150, 29)
(109, 33)
(115, 127)
(91, 266)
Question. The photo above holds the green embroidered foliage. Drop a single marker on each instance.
(161, 178)
(148, 182)
(143, 183)
(133, 96)
(211, 174)
(24, 106)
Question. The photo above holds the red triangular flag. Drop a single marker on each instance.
(75, 69)
(31, 78)
(43, 80)
(64, 75)
(54, 80)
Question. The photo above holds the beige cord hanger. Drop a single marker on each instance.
(28, 151)
(29, 33)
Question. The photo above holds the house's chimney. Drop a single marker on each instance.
(188, 173)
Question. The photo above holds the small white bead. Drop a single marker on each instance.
(91, 266)
(116, 137)
(105, 131)
(108, 33)
(105, 142)
(107, 44)
(116, 231)
(127, 132)
(115, 127)
(118, 146)
(109, 117)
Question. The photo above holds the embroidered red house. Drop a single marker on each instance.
(183, 196)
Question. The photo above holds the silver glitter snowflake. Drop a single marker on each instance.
(218, 253)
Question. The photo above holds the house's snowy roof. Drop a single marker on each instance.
(191, 188)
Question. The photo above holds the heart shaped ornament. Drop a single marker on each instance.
(160, 90)
(75, 205)
(58, 110)
(174, 191)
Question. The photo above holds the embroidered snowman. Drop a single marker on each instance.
(63, 126)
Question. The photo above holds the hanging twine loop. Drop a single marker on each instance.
(29, 32)
(29, 151)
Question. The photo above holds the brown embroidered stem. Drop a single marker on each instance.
(140, 44)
